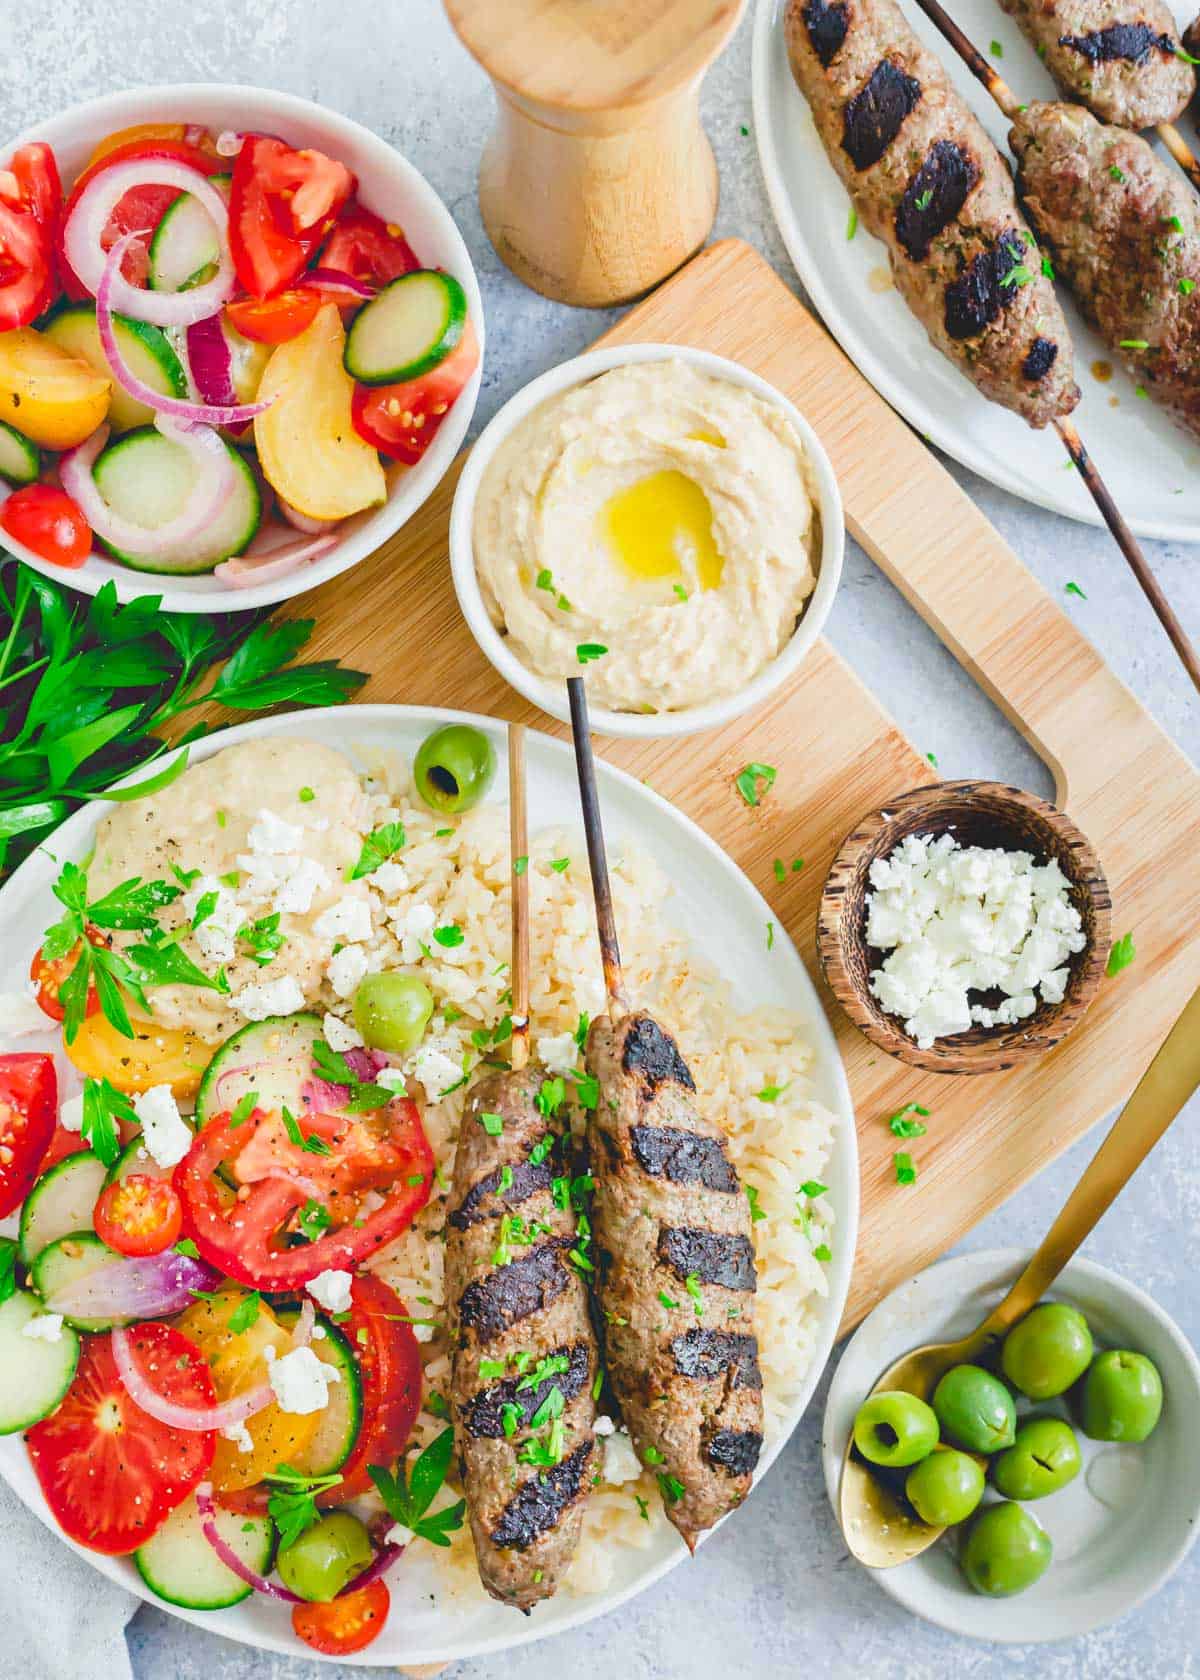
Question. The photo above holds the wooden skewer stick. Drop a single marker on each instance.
(1125, 540)
(518, 840)
(1179, 149)
(593, 827)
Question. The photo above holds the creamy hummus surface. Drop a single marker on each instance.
(265, 824)
(657, 513)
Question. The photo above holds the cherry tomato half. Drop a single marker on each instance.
(30, 205)
(401, 421)
(28, 1111)
(368, 248)
(345, 1624)
(48, 976)
(46, 520)
(138, 1214)
(274, 320)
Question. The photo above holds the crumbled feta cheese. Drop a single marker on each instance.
(240, 1436)
(70, 1114)
(961, 920)
(20, 1016)
(392, 1079)
(398, 1535)
(340, 1035)
(331, 1290)
(271, 833)
(165, 1133)
(46, 1327)
(300, 1381)
(559, 1052)
(390, 878)
(346, 968)
(301, 887)
(604, 1426)
(273, 997)
(347, 918)
(423, 1332)
(620, 1460)
(413, 925)
(435, 1069)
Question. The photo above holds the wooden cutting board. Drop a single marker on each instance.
(838, 754)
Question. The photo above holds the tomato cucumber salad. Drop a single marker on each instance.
(209, 347)
(207, 1376)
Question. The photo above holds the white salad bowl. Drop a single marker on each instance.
(1126, 1522)
(388, 185)
(551, 695)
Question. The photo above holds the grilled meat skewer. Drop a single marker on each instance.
(1117, 57)
(675, 1274)
(925, 179)
(517, 1302)
(1133, 259)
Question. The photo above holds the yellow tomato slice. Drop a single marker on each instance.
(46, 394)
(307, 445)
(157, 1055)
(139, 131)
(238, 1362)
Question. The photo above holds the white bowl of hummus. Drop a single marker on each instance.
(656, 519)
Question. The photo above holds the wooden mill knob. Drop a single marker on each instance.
(598, 180)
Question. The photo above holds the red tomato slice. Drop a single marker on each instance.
(28, 1113)
(365, 246)
(389, 1358)
(383, 1153)
(141, 207)
(111, 1473)
(282, 204)
(138, 1214)
(48, 976)
(62, 1144)
(345, 1624)
(30, 204)
(401, 421)
(274, 320)
(45, 519)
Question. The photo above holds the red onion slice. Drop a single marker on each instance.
(213, 487)
(192, 414)
(229, 143)
(337, 280)
(226, 1415)
(380, 1563)
(305, 521)
(210, 362)
(146, 1286)
(86, 224)
(303, 1329)
(244, 571)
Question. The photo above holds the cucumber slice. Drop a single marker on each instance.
(147, 478)
(185, 249)
(136, 1158)
(34, 1375)
(272, 1058)
(64, 1262)
(179, 1565)
(146, 349)
(410, 327)
(61, 1201)
(20, 462)
(338, 1429)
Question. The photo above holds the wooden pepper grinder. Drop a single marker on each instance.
(598, 180)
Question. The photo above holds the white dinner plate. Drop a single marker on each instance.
(1147, 462)
(725, 918)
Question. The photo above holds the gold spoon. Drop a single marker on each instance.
(880, 1529)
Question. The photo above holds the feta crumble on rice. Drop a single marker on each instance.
(165, 1133)
(271, 997)
(273, 834)
(959, 920)
(346, 918)
(559, 1052)
(331, 1289)
(300, 1381)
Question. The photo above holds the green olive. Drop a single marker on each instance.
(319, 1563)
(975, 1409)
(1043, 1458)
(1047, 1351)
(895, 1429)
(945, 1487)
(392, 1011)
(1005, 1551)
(1122, 1397)
(454, 767)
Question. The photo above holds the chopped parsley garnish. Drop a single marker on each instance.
(1074, 589)
(1134, 344)
(747, 779)
(671, 1306)
(186, 877)
(380, 845)
(449, 936)
(187, 1247)
(306, 796)
(551, 1366)
(263, 937)
(1174, 222)
(231, 878)
(293, 1502)
(333, 1067)
(997, 50)
(506, 1177)
(545, 580)
(1047, 269)
(680, 591)
(520, 865)
(1116, 173)
(243, 1109)
(770, 1093)
(559, 865)
(547, 1450)
(311, 1145)
(770, 936)
(1019, 275)
(756, 1213)
(489, 1369)
(643, 1508)
(587, 1090)
(541, 1149)
(1122, 954)
(906, 1172)
(437, 1405)
(551, 1095)
(245, 1313)
(313, 1219)
(902, 1126)
(104, 1108)
(932, 757)
(852, 223)
(671, 1488)
(587, 651)
(492, 1123)
(823, 1253)
(581, 1030)
(813, 1187)
(692, 1284)
(924, 200)
(652, 1455)
(408, 1501)
(780, 869)
(1186, 287)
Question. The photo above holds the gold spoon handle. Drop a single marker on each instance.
(1166, 1085)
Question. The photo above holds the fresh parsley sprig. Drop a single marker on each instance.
(332, 1066)
(104, 1109)
(293, 1503)
(408, 1499)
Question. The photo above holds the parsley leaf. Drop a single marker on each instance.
(243, 1108)
(382, 844)
(449, 936)
(493, 1124)
(1121, 955)
(902, 1126)
(312, 1145)
(587, 651)
(313, 1219)
(747, 779)
(104, 1107)
(408, 1501)
(906, 1172)
(293, 1502)
(332, 1066)
(245, 1313)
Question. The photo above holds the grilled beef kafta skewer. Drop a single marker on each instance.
(672, 1242)
(524, 1361)
(1120, 58)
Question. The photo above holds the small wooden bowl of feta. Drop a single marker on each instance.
(965, 926)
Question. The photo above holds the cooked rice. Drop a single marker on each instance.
(462, 872)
